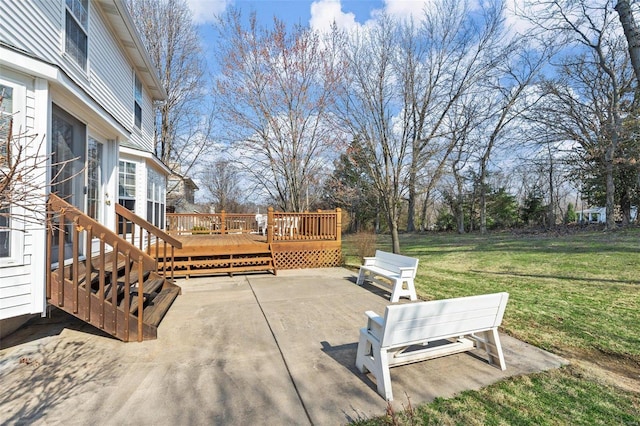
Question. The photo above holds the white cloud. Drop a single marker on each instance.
(206, 10)
(325, 12)
(404, 9)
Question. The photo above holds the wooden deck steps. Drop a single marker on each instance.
(222, 254)
(88, 304)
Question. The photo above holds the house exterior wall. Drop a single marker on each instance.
(22, 273)
(101, 97)
(37, 26)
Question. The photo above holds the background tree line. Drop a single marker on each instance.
(454, 119)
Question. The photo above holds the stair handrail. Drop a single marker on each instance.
(58, 204)
(152, 230)
(82, 222)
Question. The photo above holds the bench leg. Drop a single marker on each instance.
(364, 352)
(371, 358)
(383, 376)
(491, 344)
(397, 292)
(411, 289)
(360, 280)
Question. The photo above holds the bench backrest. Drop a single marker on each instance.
(392, 261)
(438, 319)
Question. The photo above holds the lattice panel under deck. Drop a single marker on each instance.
(300, 259)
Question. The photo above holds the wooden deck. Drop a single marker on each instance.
(202, 245)
(233, 243)
(226, 253)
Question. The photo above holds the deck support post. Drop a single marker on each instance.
(270, 225)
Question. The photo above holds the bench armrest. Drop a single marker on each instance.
(368, 261)
(407, 271)
(375, 323)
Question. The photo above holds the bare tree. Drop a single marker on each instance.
(600, 82)
(221, 180)
(507, 91)
(23, 176)
(465, 120)
(171, 38)
(368, 110)
(449, 53)
(275, 92)
(22, 168)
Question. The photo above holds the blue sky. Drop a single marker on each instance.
(319, 14)
(302, 11)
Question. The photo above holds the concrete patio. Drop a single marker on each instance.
(251, 349)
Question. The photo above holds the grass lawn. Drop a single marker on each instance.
(576, 295)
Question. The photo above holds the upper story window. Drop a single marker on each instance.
(76, 23)
(137, 102)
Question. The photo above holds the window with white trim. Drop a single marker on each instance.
(94, 178)
(126, 191)
(76, 24)
(127, 184)
(156, 197)
(137, 102)
(6, 111)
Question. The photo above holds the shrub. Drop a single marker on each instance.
(365, 243)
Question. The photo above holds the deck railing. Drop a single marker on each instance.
(68, 229)
(211, 223)
(276, 226)
(145, 235)
(321, 225)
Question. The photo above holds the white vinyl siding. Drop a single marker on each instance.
(110, 72)
(34, 59)
(35, 26)
(39, 27)
(15, 292)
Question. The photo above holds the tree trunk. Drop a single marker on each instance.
(395, 237)
(483, 197)
(460, 209)
(631, 33)
(424, 225)
(610, 189)
(551, 210)
(411, 227)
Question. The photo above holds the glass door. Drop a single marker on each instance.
(68, 145)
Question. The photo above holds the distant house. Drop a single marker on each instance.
(592, 215)
(180, 192)
(79, 76)
(599, 215)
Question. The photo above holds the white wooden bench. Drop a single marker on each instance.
(406, 332)
(400, 270)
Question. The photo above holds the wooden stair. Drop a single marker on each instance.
(94, 303)
(120, 289)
